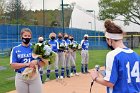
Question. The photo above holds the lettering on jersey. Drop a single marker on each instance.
(24, 55)
(18, 51)
(53, 45)
(86, 44)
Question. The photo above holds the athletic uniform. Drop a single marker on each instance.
(54, 46)
(67, 57)
(123, 70)
(61, 56)
(23, 54)
(41, 70)
(84, 56)
(73, 58)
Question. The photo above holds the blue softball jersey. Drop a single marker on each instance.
(21, 54)
(123, 70)
(84, 44)
(67, 43)
(61, 42)
(54, 45)
(73, 42)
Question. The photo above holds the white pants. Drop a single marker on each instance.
(73, 58)
(67, 59)
(28, 86)
(84, 56)
(61, 59)
(55, 63)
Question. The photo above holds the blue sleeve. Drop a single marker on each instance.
(48, 41)
(114, 72)
(13, 57)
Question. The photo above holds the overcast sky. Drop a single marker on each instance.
(54, 4)
(77, 21)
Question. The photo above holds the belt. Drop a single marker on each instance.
(60, 51)
(84, 49)
(19, 71)
(55, 51)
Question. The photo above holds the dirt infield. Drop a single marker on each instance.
(76, 84)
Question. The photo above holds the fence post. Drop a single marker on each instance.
(132, 42)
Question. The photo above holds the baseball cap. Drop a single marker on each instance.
(40, 39)
(86, 35)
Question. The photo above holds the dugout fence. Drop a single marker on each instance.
(131, 41)
(10, 35)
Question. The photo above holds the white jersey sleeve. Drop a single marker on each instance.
(82, 42)
(112, 66)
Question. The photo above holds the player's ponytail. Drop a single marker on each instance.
(111, 27)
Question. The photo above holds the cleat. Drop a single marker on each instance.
(76, 74)
(68, 76)
(57, 79)
(71, 74)
(83, 72)
(87, 72)
(47, 79)
(61, 77)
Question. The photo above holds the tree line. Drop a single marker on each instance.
(123, 10)
(14, 12)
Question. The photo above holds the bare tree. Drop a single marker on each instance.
(2, 7)
(15, 9)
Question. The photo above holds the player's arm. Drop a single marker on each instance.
(95, 77)
(19, 65)
(82, 42)
(14, 60)
(65, 43)
(104, 82)
(41, 63)
(88, 43)
(111, 72)
(57, 44)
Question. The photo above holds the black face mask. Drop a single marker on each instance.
(60, 37)
(65, 38)
(52, 38)
(71, 39)
(111, 47)
(40, 41)
(26, 40)
(86, 38)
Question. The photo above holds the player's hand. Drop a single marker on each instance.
(33, 63)
(27, 64)
(94, 74)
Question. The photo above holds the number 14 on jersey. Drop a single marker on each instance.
(134, 73)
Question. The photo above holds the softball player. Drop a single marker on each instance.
(84, 54)
(54, 45)
(21, 57)
(122, 64)
(73, 57)
(61, 54)
(67, 54)
(41, 40)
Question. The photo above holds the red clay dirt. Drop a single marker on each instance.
(76, 84)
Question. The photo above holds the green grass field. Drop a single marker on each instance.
(6, 84)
